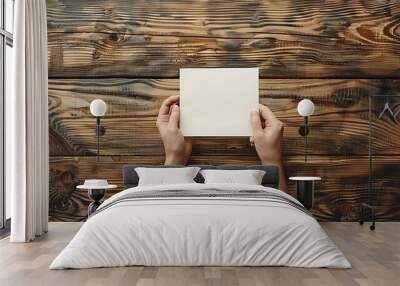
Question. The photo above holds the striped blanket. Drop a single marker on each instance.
(205, 194)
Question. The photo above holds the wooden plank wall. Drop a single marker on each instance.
(338, 53)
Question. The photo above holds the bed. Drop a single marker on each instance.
(198, 224)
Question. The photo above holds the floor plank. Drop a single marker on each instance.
(375, 257)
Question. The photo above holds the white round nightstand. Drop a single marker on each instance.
(96, 191)
(305, 189)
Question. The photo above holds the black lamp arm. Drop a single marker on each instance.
(306, 139)
(100, 131)
(303, 131)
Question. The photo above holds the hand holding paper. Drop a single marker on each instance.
(267, 135)
(268, 138)
(177, 148)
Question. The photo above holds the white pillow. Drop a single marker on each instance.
(165, 176)
(248, 177)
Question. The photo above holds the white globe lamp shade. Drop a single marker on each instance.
(98, 107)
(305, 107)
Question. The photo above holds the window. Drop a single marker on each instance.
(6, 65)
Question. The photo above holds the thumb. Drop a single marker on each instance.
(174, 117)
(255, 122)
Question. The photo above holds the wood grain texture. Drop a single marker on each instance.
(219, 18)
(283, 38)
(337, 198)
(338, 127)
(374, 257)
(279, 56)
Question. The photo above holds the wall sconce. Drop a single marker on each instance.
(98, 108)
(305, 108)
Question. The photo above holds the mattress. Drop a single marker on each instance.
(201, 225)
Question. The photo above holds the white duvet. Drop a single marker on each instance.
(200, 231)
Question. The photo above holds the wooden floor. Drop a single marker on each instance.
(375, 257)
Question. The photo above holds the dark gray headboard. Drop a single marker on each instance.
(271, 177)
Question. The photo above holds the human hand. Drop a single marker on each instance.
(267, 136)
(177, 148)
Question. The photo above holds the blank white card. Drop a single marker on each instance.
(217, 101)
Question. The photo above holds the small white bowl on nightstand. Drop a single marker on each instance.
(96, 184)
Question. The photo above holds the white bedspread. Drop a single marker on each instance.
(200, 231)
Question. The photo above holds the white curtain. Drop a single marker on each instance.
(27, 124)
